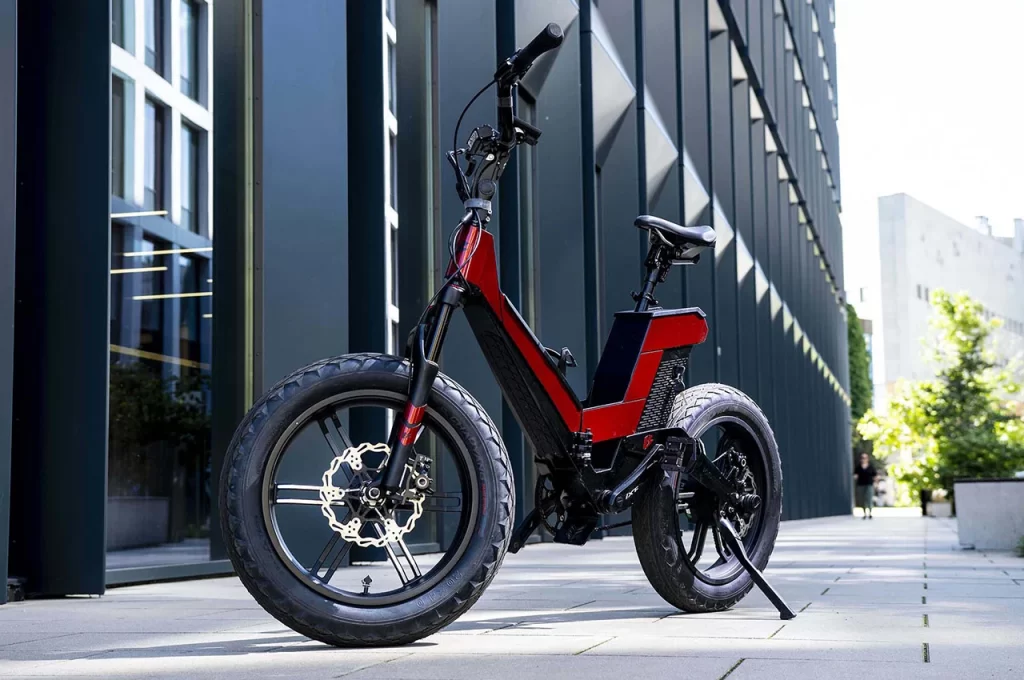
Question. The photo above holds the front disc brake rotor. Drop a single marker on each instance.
(363, 509)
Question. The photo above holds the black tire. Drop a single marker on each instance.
(656, 523)
(290, 600)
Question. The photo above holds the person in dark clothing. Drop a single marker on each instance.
(866, 475)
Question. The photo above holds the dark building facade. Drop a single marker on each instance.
(214, 213)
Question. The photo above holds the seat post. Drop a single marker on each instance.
(657, 270)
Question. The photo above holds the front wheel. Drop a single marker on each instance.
(300, 498)
(675, 520)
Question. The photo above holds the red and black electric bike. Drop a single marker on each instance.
(308, 482)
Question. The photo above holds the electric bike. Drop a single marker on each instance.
(307, 481)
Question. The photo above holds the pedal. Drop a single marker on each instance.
(525, 530)
(576, 530)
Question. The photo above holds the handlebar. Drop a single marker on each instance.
(488, 149)
(520, 62)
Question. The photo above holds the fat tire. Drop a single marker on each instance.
(298, 606)
(655, 517)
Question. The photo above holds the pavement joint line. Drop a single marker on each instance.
(5, 645)
(926, 652)
(734, 667)
(824, 591)
(924, 600)
(804, 607)
(593, 646)
(374, 664)
(777, 631)
(507, 625)
(925, 620)
(582, 604)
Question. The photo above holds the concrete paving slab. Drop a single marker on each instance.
(775, 648)
(789, 669)
(560, 611)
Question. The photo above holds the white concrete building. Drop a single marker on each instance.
(920, 251)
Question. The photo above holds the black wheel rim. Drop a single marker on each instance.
(702, 545)
(320, 569)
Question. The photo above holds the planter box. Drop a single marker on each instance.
(940, 509)
(137, 521)
(990, 513)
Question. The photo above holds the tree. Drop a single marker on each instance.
(961, 424)
(860, 376)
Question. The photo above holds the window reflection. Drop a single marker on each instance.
(154, 19)
(190, 48)
(154, 179)
(189, 178)
(158, 505)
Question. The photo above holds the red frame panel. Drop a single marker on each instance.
(667, 329)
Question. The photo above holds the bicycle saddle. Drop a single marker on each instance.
(676, 234)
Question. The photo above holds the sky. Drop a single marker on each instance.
(931, 103)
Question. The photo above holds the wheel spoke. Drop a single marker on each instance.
(296, 489)
(719, 543)
(335, 450)
(443, 502)
(342, 435)
(402, 576)
(700, 534)
(336, 561)
(409, 558)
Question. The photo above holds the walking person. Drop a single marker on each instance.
(866, 475)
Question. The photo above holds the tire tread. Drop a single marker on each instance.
(284, 608)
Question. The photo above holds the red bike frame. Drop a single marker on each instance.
(637, 344)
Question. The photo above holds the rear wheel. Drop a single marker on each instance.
(675, 520)
(300, 500)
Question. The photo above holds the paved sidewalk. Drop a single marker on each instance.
(890, 598)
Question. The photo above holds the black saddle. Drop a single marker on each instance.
(685, 238)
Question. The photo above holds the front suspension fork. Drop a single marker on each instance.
(425, 350)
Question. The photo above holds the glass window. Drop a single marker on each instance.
(190, 48)
(190, 178)
(392, 77)
(397, 346)
(117, 133)
(188, 335)
(154, 13)
(394, 265)
(117, 22)
(155, 155)
(393, 153)
(159, 475)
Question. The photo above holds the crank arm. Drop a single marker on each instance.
(616, 500)
(528, 526)
(736, 548)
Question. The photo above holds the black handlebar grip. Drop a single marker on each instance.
(547, 40)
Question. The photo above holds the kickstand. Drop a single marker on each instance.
(736, 547)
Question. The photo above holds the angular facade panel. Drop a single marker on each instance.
(333, 206)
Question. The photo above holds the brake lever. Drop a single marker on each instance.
(461, 185)
(530, 133)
